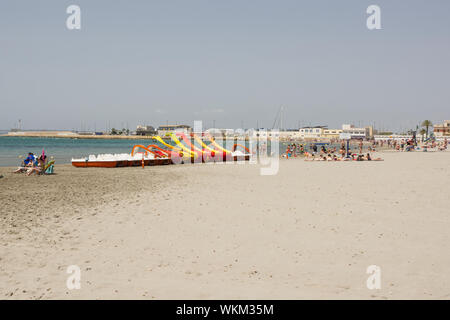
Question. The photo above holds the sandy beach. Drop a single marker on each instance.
(226, 232)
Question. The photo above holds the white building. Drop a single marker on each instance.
(357, 133)
(311, 132)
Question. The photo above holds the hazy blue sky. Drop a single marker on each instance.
(231, 61)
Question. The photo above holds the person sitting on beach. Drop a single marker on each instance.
(39, 168)
(35, 169)
(43, 159)
(28, 162)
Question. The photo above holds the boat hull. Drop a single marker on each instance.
(98, 164)
(148, 162)
(120, 163)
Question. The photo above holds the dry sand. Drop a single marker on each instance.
(224, 231)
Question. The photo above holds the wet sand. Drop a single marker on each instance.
(225, 231)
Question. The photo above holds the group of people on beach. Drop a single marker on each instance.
(35, 164)
(294, 149)
(412, 144)
(398, 145)
(343, 154)
(342, 157)
(325, 153)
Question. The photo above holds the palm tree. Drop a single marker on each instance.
(422, 133)
(427, 124)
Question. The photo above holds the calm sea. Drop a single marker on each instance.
(62, 149)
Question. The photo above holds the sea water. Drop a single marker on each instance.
(61, 149)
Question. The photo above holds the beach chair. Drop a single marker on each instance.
(49, 167)
(49, 170)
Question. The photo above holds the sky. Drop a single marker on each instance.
(229, 63)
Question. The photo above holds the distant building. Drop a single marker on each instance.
(331, 133)
(168, 129)
(442, 130)
(358, 133)
(312, 132)
(145, 131)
